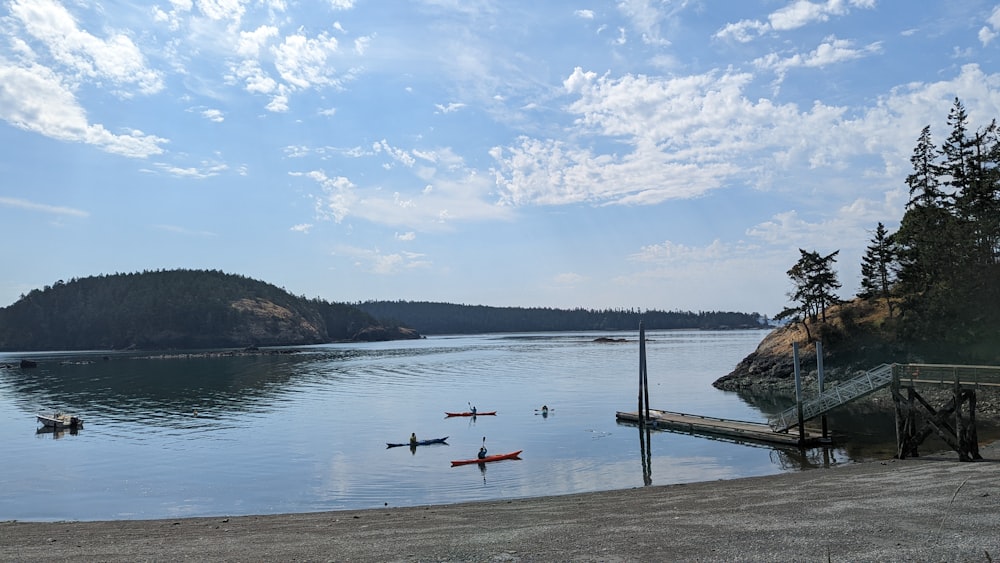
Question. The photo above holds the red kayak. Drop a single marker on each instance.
(470, 413)
(498, 457)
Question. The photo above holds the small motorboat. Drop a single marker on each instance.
(60, 421)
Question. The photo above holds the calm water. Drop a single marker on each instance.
(307, 431)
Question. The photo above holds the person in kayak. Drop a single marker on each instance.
(413, 438)
(482, 451)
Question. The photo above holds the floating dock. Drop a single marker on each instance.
(739, 429)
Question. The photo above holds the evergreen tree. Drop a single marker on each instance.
(925, 250)
(877, 275)
(815, 283)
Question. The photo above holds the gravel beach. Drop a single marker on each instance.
(933, 508)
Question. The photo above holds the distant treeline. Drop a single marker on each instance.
(448, 318)
(199, 309)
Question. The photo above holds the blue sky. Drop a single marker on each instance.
(635, 153)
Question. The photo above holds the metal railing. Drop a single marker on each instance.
(947, 374)
(868, 382)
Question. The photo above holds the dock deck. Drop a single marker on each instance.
(741, 429)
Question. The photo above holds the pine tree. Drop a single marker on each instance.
(815, 283)
(877, 275)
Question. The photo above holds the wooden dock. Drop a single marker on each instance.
(707, 425)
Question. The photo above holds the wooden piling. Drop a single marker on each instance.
(798, 393)
(819, 378)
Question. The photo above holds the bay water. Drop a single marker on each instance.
(305, 429)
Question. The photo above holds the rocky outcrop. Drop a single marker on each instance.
(381, 333)
(265, 323)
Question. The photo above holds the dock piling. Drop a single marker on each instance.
(798, 393)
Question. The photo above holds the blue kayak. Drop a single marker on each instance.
(418, 443)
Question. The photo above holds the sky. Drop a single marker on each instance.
(632, 154)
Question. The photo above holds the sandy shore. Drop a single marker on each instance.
(928, 509)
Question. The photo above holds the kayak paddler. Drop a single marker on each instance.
(413, 438)
(482, 449)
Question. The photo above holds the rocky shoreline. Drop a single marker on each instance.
(771, 368)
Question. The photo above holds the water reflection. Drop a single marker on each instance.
(646, 453)
(181, 391)
(56, 433)
(788, 458)
(800, 459)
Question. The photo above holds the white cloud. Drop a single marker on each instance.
(376, 262)
(584, 14)
(407, 236)
(299, 62)
(669, 252)
(35, 99)
(803, 12)
(682, 137)
(831, 51)
(87, 57)
(251, 43)
(304, 62)
(989, 32)
(213, 115)
(443, 190)
(224, 10)
(303, 228)
(206, 170)
(798, 13)
(450, 108)
(397, 154)
(337, 195)
(42, 207)
(645, 140)
(743, 31)
(646, 18)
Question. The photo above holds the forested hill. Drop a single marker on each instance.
(446, 318)
(178, 309)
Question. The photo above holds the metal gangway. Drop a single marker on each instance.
(864, 384)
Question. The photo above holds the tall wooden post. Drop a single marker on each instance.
(645, 448)
(959, 423)
(819, 378)
(643, 391)
(798, 394)
(906, 430)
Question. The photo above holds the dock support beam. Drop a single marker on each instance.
(947, 421)
(819, 381)
(798, 394)
(643, 378)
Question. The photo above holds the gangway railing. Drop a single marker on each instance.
(948, 374)
(847, 391)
